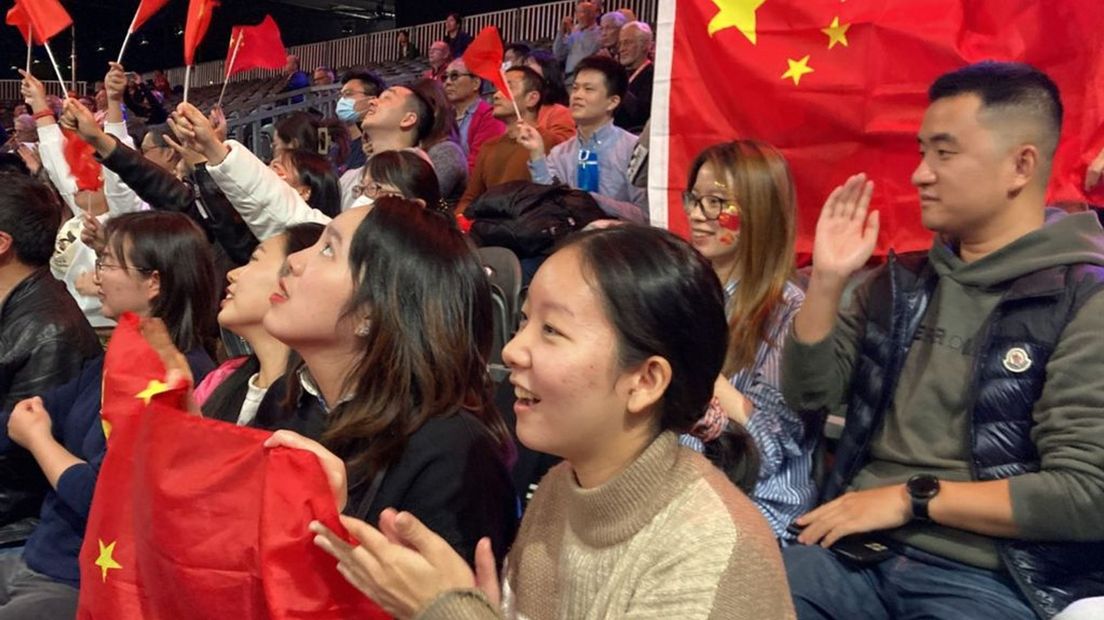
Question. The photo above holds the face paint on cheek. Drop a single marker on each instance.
(727, 238)
(729, 219)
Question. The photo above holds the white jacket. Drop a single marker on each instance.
(266, 203)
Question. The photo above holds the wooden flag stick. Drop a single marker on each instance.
(226, 81)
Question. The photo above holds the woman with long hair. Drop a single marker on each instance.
(233, 392)
(312, 176)
(443, 142)
(391, 314)
(742, 209)
(156, 265)
(622, 334)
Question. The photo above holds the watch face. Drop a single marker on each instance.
(923, 486)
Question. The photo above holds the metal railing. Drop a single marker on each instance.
(531, 23)
(9, 89)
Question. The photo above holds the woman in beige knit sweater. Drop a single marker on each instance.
(624, 334)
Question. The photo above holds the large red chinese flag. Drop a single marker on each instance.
(258, 47)
(841, 87)
(47, 17)
(194, 518)
(18, 17)
(146, 10)
(199, 19)
(484, 58)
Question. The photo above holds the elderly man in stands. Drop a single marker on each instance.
(474, 117)
(296, 78)
(636, 49)
(323, 76)
(502, 159)
(578, 37)
(439, 57)
(597, 159)
(609, 27)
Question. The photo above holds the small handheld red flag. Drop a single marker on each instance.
(47, 17)
(82, 164)
(18, 17)
(484, 58)
(199, 19)
(258, 47)
(146, 10)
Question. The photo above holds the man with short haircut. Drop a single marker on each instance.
(597, 158)
(502, 159)
(407, 49)
(636, 48)
(44, 337)
(457, 39)
(358, 87)
(514, 55)
(577, 38)
(474, 117)
(296, 79)
(969, 478)
(439, 57)
(609, 28)
(323, 76)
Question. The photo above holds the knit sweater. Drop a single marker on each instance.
(669, 537)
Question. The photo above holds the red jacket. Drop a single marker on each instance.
(484, 126)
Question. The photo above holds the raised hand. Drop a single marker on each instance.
(845, 232)
(92, 233)
(531, 139)
(33, 91)
(218, 123)
(115, 82)
(197, 133)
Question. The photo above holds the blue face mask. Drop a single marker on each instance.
(346, 110)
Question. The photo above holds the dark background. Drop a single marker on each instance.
(101, 26)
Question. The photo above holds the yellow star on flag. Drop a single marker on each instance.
(797, 69)
(106, 562)
(106, 428)
(154, 388)
(736, 13)
(836, 32)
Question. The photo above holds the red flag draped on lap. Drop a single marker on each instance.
(841, 87)
(146, 10)
(47, 17)
(199, 19)
(18, 17)
(259, 47)
(484, 58)
(193, 518)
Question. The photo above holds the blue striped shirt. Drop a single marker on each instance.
(785, 489)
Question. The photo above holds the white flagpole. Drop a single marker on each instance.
(126, 39)
(226, 80)
(64, 91)
(30, 46)
(187, 81)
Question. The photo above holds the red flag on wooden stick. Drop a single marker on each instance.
(47, 17)
(484, 58)
(18, 17)
(146, 10)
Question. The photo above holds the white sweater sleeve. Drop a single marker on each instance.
(51, 146)
(266, 203)
(120, 198)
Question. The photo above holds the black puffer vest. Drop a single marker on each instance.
(1008, 376)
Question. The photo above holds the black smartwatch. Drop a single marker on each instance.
(921, 488)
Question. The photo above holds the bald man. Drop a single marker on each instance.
(578, 38)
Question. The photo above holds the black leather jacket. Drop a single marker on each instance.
(44, 341)
(199, 198)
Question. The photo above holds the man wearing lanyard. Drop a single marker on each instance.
(597, 159)
(635, 49)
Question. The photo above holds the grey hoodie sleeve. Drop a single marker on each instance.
(1065, 500)
(818, 375)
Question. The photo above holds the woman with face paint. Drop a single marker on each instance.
(742, 210)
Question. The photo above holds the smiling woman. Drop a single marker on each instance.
(622, 337)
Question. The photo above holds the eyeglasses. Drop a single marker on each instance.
(375, 191)
(102, 266)
(452, 76)
(711, 206)
(353, 93)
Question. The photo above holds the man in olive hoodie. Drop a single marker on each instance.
(973, 376)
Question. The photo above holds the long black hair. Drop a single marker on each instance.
(172, 245)
(316, 172)
(554, 91)
(225, 402)
(663, 298)
(409, 172)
